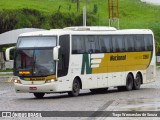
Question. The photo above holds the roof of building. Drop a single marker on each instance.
(11, 37)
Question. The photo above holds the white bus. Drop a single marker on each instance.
(74, 58)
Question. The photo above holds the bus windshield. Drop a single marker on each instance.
(34, 62)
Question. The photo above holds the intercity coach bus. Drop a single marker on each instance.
(74, 58)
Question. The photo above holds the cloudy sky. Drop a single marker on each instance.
(156, 2)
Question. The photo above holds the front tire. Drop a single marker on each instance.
(75, 88)
(39, 95)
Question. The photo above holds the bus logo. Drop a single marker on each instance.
(86, 65)
(90, 61)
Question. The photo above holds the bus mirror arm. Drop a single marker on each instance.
(55, 53)
(7, 53)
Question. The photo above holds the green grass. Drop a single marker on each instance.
(2, 75)
(47, 6)
(7, 70)
(7, 74)
(158, 64)
(133, 13)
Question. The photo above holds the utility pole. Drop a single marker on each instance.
(113, 12)
(84, 16)
(78, 5)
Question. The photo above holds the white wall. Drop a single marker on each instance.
(9, 65)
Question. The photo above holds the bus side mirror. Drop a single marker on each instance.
(8, 53)
(55, 53)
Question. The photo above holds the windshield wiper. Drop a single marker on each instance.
(34, 63)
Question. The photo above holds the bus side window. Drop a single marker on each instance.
(105, 43)
(139, 43)
(148, 40)
(118, 43)
(115, 47)
(129, 43)
(78, 45)
(91, 44)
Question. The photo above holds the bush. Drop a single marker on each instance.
(7, 20)
(95, 9)
(23, 18)
(30, 18)
(61, 20)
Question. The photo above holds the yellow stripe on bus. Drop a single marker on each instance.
(40, 78)
(120, 62)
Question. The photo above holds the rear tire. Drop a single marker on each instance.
(75, 88)
(39, 95)
(137, 82)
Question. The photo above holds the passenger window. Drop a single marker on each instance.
(91, 44)
(129, 43)
(105, 43)
(148, 40)
(139, 43)
(78, 45)
(118, 43)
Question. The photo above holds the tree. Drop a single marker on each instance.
(78, 5)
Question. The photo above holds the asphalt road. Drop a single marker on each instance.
(145, 99)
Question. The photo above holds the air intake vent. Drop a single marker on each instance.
(91, 28)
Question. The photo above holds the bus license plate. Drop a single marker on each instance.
(32, 88)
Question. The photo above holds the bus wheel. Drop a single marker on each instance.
(75, 88)
(129, 82)
(137, 82)
(39, 95)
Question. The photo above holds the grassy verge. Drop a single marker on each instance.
(158, 64)
(133, 13)
(2, 75)
(7, 70)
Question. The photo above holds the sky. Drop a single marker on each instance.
(156, 2)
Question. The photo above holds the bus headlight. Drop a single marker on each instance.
(49, 81)
(16, 80)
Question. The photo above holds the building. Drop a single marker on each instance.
(11, 37)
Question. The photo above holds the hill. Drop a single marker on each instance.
(42, 13)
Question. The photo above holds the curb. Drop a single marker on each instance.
(3, 73)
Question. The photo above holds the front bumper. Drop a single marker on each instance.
(44, 88)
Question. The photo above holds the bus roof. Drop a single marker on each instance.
(46, 33)
(91, 30)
